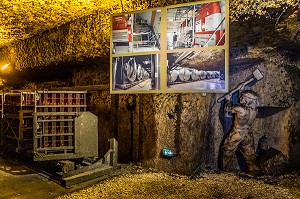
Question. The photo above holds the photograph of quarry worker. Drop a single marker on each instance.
(241, 136)
(174, 40)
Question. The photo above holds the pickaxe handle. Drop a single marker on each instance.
(236, 89)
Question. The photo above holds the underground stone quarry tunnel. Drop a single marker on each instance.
(64, 46)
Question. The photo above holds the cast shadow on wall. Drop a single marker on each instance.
(239, 108)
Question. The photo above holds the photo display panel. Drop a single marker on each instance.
(175, 49)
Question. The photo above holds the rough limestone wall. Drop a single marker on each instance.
(194, 131)
(104, 109)
(147, 139)
(272, 46)
(181, 125)
(294, 137)
(293, 71)
(275, 93)
(88, 36)
(177, 121)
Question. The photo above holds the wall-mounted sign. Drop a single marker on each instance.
(176, 49)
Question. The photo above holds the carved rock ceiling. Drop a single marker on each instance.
(21, 19)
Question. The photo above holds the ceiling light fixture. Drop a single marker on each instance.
(5, 66)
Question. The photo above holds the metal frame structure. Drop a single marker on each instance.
(55, 127)
(48, 125)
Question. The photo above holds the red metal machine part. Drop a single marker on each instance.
(208, 19)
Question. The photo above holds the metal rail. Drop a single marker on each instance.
(192, 54)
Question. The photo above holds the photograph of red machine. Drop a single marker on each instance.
(198, 25)
(122, 31)
(136, 32)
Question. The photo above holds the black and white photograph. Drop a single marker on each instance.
(136, 73)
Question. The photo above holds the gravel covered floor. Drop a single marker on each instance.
(140, 183)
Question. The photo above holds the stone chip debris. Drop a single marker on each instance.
(146, 184)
